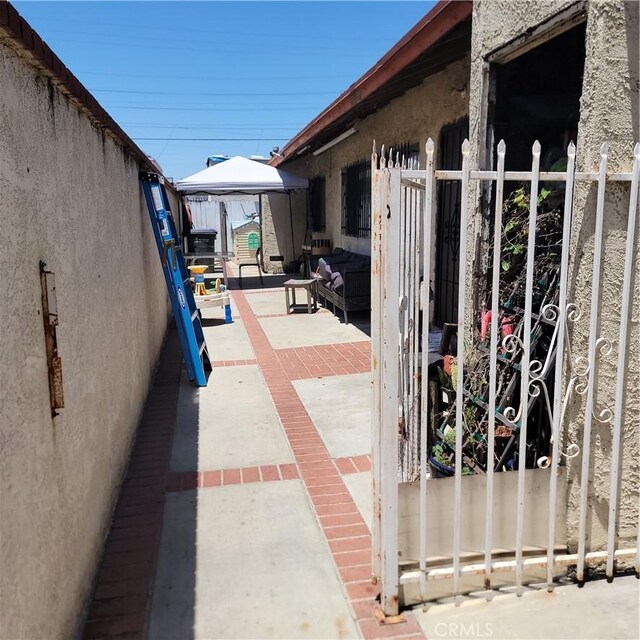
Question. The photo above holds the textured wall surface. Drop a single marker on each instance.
(283, 228)
(420, 113)
(71, 198)
(608, 112)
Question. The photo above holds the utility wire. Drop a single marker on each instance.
(218, 51)
(216, 94)
(212, 139)
(224, 127)
(209, 32)
(232, 109)
(234, 77)
(206, 45)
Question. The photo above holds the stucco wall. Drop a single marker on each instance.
(420, 113)
(608, 112)
(69, 197)
(283, 227)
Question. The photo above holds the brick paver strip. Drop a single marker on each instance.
(233, 363)
(353, 464)
(124, 581)
(186, 480)
(346, 533)
(323, 360)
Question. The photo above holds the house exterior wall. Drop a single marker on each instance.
(278, 218)
(71, 198)
(420, 113)
(608, 112)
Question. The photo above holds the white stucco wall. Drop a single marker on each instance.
(69, 196)
(608, 112)
(413, 117)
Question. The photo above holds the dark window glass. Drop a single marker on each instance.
(317, 204)
(356, 200)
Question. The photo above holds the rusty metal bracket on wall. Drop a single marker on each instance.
(50, 320)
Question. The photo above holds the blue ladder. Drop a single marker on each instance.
(185, 312)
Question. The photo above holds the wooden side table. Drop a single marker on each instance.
(309, 286)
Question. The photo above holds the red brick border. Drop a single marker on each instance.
(353, 464)
(300, 363)
(340, 520)
(272, 315)
(187, 480)
(233, 363)
(124, 581)
(325, 360)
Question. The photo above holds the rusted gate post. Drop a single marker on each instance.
(386, 362)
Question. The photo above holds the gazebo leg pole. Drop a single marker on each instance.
(261, 266)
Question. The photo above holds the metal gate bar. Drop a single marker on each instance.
(403, 206)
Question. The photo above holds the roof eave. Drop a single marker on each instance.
(437, 23)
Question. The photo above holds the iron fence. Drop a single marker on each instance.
(504, 399)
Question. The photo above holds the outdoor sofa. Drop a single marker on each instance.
(344, 280)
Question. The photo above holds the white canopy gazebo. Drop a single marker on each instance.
(238, 178)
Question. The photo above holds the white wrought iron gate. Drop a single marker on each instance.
(509, 410)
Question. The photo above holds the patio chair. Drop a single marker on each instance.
(251, 264)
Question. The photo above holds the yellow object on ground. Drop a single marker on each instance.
(198, 271)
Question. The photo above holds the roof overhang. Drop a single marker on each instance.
(401, 68)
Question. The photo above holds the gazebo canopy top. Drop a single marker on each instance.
(241, 176)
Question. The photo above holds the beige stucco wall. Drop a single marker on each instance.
(420, 113)
(71, 198)
(277, 234)
(608, 112)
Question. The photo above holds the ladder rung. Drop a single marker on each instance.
(202, 347)
(194, 315)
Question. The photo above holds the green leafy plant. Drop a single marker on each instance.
(512, 281)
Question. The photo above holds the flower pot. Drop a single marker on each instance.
(439, 470)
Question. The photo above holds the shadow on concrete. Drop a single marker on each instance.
(172, 612)
(253, 282)
(359, 319)
(212, 322)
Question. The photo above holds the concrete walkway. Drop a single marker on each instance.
(247, 507)
(270, 542)
(264, 525)
(597, 611)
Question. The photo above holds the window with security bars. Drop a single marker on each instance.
(356, 200)
(408, 151)
(317, 204)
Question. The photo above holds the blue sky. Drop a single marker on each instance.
(240, 77)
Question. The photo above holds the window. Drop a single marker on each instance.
(356, 200)
(409, 152)
(448, 225)
(253, 241)
(317, 204)
(536, 96)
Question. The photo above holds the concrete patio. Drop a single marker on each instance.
(247, 508)
(263, 518)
